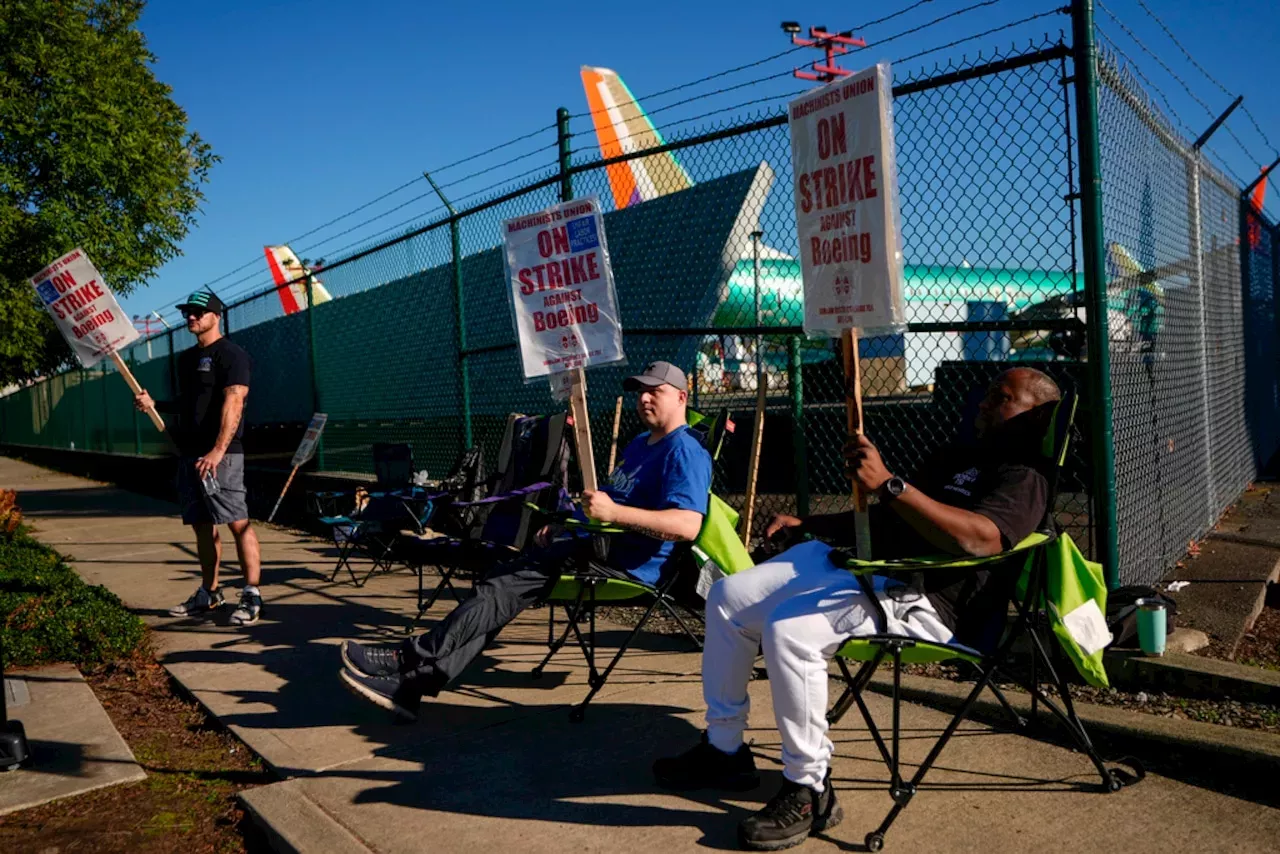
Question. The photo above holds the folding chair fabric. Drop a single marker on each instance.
(1029, 594)
(531, 472)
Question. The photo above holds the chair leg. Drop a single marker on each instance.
(667, 603)
(1068, 718)
(1019, 722)
(903, 792)
(446, 583)
(572, 613)
(344, 562)
(853, 686)
(579, 712)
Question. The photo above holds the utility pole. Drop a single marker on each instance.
(144, 326)
(832, 44)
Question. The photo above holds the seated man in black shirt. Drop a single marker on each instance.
(968, 500)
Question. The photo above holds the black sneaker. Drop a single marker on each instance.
(790, 817)
(249, 609)
(371, 660)
(704, 767)
(200, 602)
(389, 692)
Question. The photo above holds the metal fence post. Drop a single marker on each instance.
(137, 430)
(799, 451)
(459, 310)
(1275, 288)
(455, 236)
(1195, 244)
(562, 138)
(106, 413)
(315, 377)
(1084, 55)
(173, 369)
(84, 407)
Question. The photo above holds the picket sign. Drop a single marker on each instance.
(846, 200)
(563, 304)
(88, 316)
(306, 450)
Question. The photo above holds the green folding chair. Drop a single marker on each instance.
(1055, 586)
(579, 594)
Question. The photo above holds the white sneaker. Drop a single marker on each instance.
(247, 612)
(200, 602)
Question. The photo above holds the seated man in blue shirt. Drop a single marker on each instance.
(658, 493)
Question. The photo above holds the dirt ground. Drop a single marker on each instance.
(188, 801)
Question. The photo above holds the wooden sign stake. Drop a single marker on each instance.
(613, 446)
(853, 418)
(582, 429)
(137, 389)
(753, 464)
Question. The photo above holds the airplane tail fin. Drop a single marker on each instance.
(622, 127)
(285, 268)
(1121, 264)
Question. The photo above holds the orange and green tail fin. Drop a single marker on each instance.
(622, 127)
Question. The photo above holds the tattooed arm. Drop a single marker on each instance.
(673, 525)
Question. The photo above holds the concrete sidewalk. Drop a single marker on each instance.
(497, 762)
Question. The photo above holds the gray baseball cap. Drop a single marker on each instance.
(655, 374)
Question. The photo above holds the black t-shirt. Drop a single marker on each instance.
(983, 480)
(203, 374)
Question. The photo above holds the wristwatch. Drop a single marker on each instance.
(892, 488)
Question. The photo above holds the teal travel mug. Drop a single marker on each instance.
(1151, 626)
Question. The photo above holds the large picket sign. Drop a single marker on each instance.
(846, 195)
(562, 293)
(84, 310)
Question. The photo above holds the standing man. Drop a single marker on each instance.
(213, 384)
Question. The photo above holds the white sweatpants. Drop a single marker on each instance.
(803, 608)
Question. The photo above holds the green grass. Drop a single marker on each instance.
(48, 614)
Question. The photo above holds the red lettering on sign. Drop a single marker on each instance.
(831, 136)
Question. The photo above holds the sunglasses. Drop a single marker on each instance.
(195, 313)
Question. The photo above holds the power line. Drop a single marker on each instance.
(388, 194)
(941, 19)
(754, 64)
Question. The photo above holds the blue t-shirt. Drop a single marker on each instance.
(672, 473)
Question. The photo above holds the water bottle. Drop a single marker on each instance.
(210, 483)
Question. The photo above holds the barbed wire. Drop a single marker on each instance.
(1183, 83)
(993, 31)
(1161, 24)
(1170, 114)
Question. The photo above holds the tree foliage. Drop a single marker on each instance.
(94, 153)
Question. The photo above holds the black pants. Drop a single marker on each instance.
(434, 659)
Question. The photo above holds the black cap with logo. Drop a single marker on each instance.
(203, 301)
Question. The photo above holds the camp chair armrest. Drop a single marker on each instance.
(520, 494)
(567, 519)
(846, 559)
(591, 526)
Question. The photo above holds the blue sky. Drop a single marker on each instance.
(318, 107)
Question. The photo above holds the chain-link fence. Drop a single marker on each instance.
(1178, 329)
(417, 344)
